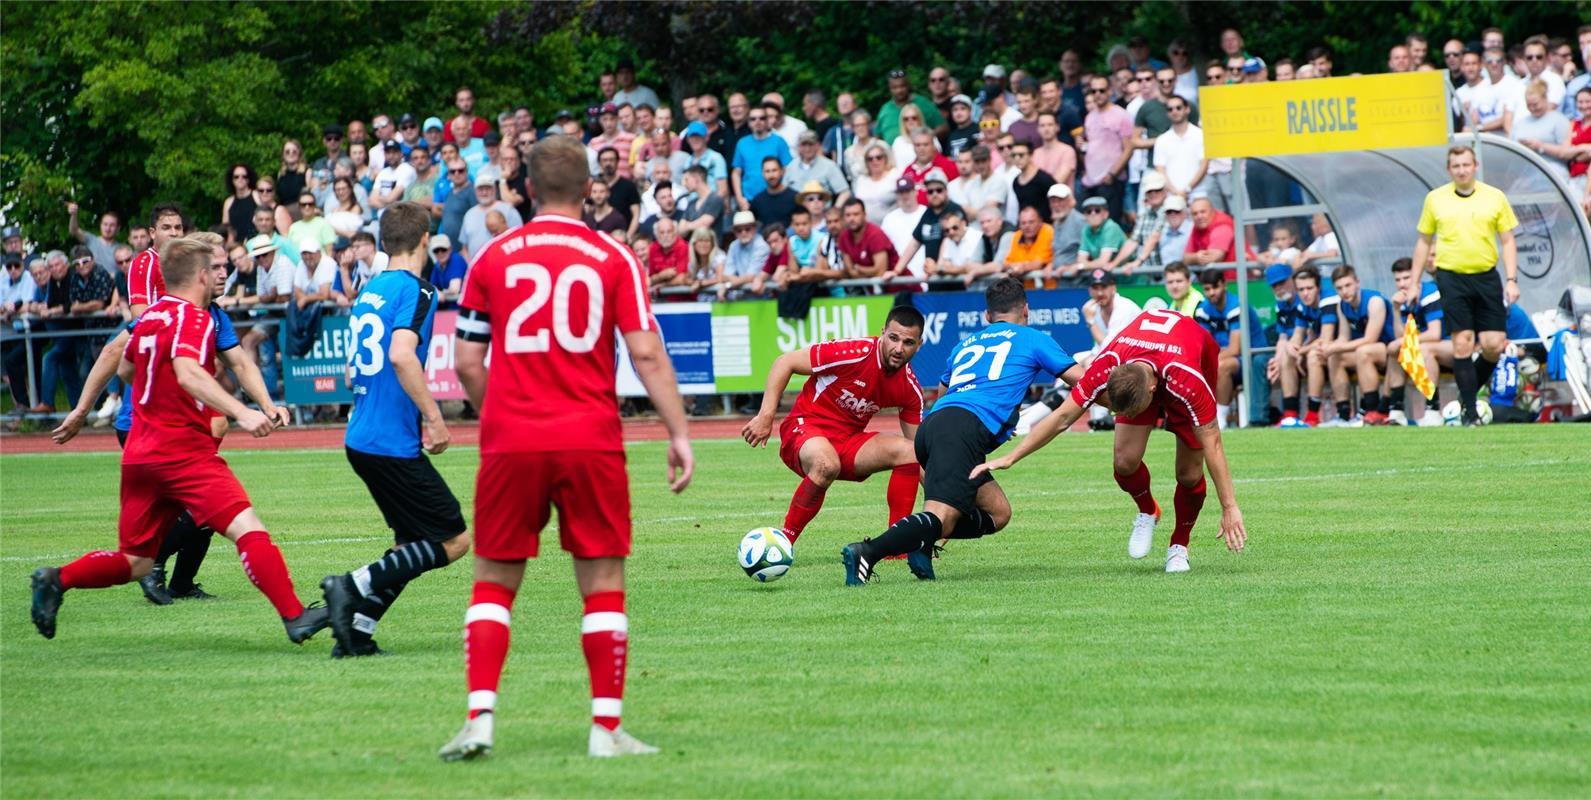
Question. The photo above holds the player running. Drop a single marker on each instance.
(170, 462)
(985, 380)
(393, 419)
(825, 436)
(546, 299)
(1159, 368)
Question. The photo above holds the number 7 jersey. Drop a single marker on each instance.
(550, 295)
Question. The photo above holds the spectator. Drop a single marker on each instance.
(1254, 70)
(1419, 48)
(1066, 237)
(1398, 59)
(314, 277)
(658, 174)
(1452, 58)
(265, 197)
(994, 87)
(900, 96)
(1366, 317)
(311, 225)
(925, 159)
(1320, 61)
(472, 149)
(744, 262)
(1067, 118)
(1053, 156)
(613, 136)
(663, 193)
(810, 165)
(1542, 129)
(355, 265)
(702, 207)
(1222, 315)
(451, 202)
(1033, 249)
(103, 246)
(865, 250)
(16, 289)
(394, 179)
(238, 208)
(359, 155)
(450, 270)
(777, 267)
(70, 282)
(776, 202)
(901, 148)
(697, 153)
(434, 133)
(496, 224)
(1580, 142)
(291, 177)
(1536, 58)
(1323, 247)
(720, 137)
(1179, 151)
(622, 192)
(629, 90)
(1474, 90)
(1284, 69)
(383, 131)
(840, 136)
(983, 186)
(1109, 131)
(473, 234)
(1106, 314)
(1213, 240)
(475, 127)
(1026, 127)
(1284, 245)
(876, 187)
(1215, 73)
(853, 158)
(1505, 94)
(1102, 240)
(668, 261)
(1187, 80)
(600, 213)
(265, 225)
(900, 225)
(746, 170)
(1071, 83)
(963, 132)
(426, 175)
(706, 266)
(960, 250)
(1030, 186)
(1578, 82)
(1149, 228)
(780, 124)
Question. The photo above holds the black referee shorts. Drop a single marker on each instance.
(1472, 302)
(949, 444)
(416, 502)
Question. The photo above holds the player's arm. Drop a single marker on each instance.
(1510, 266)
(1422, 254)
(657, 375)
(1215, 460)
(1046, 429)
(201, 385)
(908, 430)
(253, 383)
(760, 427)
(98, 377)
(411, 376)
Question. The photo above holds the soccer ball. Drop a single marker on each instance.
(766, 554)
(1452, 413)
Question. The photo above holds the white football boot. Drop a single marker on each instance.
(1176, 558)
(607, 744)
(1397, 417)
(473, 741)
(1143, 533)
(1431, 419)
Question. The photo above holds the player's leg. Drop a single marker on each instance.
(1132, 475)
(1225, 387)
(819, 468)
(194, 540)
(886, 451)
(263, 564)
(1188, 501)
(1368, 363)
(949, 444)
(1397, 385)
(1287, 373)
(1337, 366)
(1316, 367)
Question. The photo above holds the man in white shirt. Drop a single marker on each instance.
(312, 282)
(899, 224)
(1175, 231)
(1506, 93)
(472, 233)
(985, 186)
(1474, 95)
(394, 179)
(1324, 246)
(1536, 70)
(273, 271)
(960, 252)
(787, 128)
(1179, 152)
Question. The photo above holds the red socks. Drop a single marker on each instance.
(902, 492)
(263, 563)
(1188, 500)
(96, 570)
(804, 505)
(604, 636)
(486, 643)
(1137, 486)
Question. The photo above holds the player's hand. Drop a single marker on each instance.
(255, 423)
(1232, 529)
(71, 207)
(757, 430)
(279, 416)
(1511, 291)
(1272, 367)
(70, 426)
(435, 437)
(1003, 462)
(1400, 297)
(681, 464)
(1088, 310)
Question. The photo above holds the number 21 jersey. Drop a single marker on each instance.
(990, 371)
(551, 294)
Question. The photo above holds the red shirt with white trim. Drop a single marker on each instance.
(170, 425)
(555, 293)
(1181, 352)
(145, 284)
(849, 385)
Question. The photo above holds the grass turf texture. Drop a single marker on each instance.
(1409, 620)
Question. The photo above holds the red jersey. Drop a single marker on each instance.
(171, 425)
(145, 284)
(918, 173)
(849, 385)
(1181, 352)
(553, 292)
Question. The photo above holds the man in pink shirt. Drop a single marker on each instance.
(1053, 155)
(1108, 131)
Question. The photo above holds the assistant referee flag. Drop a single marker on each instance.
(1413, 364)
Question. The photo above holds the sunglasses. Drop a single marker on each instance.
(757, 117)
(1098, 91)
(989, 126)
(1540, 57)
(458, 171)
(1004, 148)
(940, 190)
(1095, 211)
(407, 126)
(241, 176)
(1494, 61)
(707, 109)
(82, 262)
(1179, 52)
(897, 73)
(875, 158)
(265, 189)
(118, 261)
(331, 138)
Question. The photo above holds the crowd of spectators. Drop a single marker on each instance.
(1049, 178)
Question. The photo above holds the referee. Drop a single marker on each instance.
(1467, 218)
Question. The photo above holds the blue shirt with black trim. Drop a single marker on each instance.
(1358, 314)
(1426, 309)
(384, 421)
(226, 338)
(1221, 322)
(989, 373)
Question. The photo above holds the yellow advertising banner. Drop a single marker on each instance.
(1368, 112)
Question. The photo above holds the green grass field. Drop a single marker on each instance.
(1410, 619)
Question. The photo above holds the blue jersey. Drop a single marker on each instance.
(384, 421)
(989, 373)
(1519, 325)
(1357, 315)
(226, 338)
(1222, 322)
(1427, 309)
(1310, 317)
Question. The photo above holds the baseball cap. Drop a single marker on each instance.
(485, 178)
(1059, 190)
(742, 219)
(394, 144)
(492, 138)
(994, 71)
(308, 244)
(1095, 202)
(961, 99)
(806, 137)
(1253, 64)
(406, 119)
(260, 245)
(1276, 273)
(607, 108)
(696, 129)
(1175, 203)
(905, 184)
(1153, 181)
(625, 63)
(11, 232)
(1101, 277)
(563, 114)
(441, 242)
(341, 243)
(935, 175)
(13, 258)
(332, 130)
(432, 123)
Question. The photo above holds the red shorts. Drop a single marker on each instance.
(516, 492)
(154, 494)
(793, 435)
(1177, 421)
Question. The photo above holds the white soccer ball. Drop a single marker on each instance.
(766, 554)
(1453, 414)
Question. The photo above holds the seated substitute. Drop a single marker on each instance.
(1366, 328)
(1422, 301)
(1220, 314)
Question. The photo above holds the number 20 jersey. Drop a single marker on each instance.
(385, 422)
(552, 293)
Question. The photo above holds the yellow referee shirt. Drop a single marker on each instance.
(1466, 228)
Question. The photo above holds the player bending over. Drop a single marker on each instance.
(1159, 368)
(985, 380)
(170, 462)
(825, 436)
(546, 298)
(393, 419)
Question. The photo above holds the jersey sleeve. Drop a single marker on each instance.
(192, 335)
(1431, 304)
(226, 336)
(1187, 386)
(1051, 356)
(828, 355)
(632, 310)
(1089, 387)
(413, 308)
(140, 280)
(475, 295)
(912, 412)
(1427, 223)
(1506, 221)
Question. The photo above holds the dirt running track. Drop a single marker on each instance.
(103, 440)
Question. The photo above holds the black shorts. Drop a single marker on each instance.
(949, 444)
(416, 502)
(1472, 302)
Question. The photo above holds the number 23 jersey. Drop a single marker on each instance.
(385, 422)
(551, 294)
(990, 371)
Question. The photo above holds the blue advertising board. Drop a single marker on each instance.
(949, 317)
